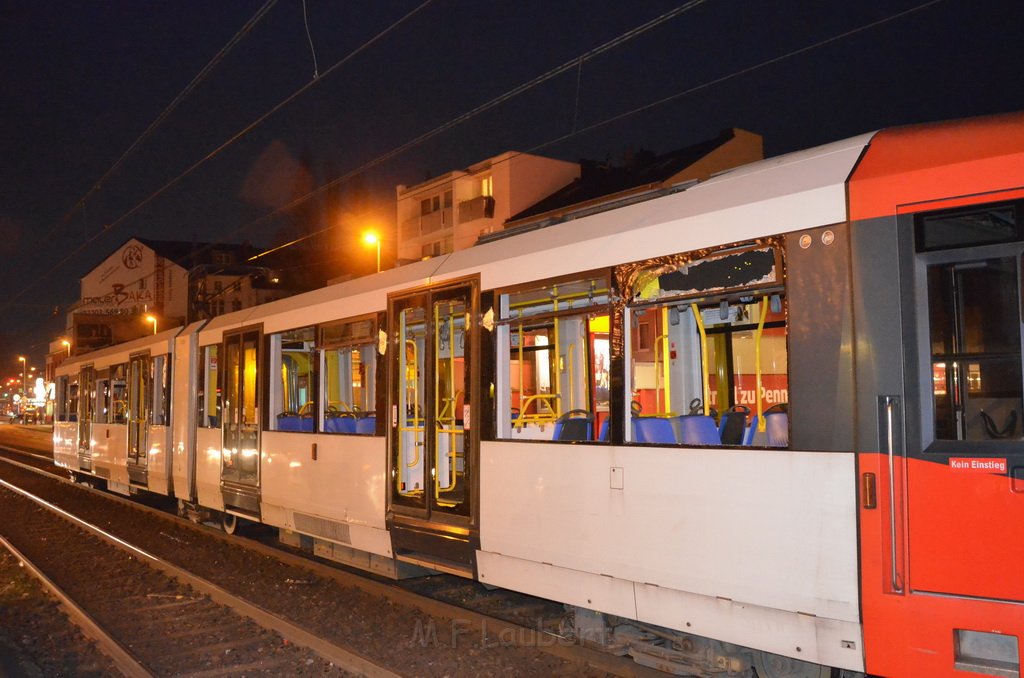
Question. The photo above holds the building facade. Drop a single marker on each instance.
(452, 211)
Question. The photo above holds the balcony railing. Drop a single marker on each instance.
(422, 224)
(480, 207)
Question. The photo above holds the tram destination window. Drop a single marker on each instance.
(553, 365)
(349, 351)
(975, 336)
(706, 354)
(956, 228)
(293, 361)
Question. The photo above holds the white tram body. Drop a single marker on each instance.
(412, 418)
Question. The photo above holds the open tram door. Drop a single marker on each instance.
(433, 443)
(240, 458)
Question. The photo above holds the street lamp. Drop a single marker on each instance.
(67, 345)
(24, 376)
(152, 319)
(371, 238)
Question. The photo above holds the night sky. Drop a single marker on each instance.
(82, 82)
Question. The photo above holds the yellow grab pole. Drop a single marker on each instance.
(757, 363)
(703, 355)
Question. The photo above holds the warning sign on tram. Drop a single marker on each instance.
(981, 464)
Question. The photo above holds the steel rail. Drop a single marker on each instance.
(122, 658)
(545, 641)
(345, 659)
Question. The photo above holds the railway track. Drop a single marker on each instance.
(386, 624)
(152, 618)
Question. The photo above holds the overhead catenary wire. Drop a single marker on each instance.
(170, 108)
(547, 76)
(107, 228)
(575, 62)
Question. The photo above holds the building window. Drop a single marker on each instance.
(487, 186)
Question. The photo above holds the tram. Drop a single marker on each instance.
(770, 420)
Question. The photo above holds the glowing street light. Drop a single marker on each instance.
(152, 319)
(67, 345)
(371, 238)
(24, 375)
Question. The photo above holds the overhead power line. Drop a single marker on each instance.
(575, 62)
(242, 32)
(108, 228)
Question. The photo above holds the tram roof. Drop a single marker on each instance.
(937, 161)
(786, 193)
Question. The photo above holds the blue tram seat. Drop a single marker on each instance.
(733, 425)
(366, 425)
(287, 421)
(653, 430)
(306, 423)
(573, 425)
(698, 429)
(603, 435)
(777, 426)
(342, 424)
(748, 434)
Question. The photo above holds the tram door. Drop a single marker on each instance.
(139, 410)
(240, 460)
(432, 451)
(86, 404)
(968, 495)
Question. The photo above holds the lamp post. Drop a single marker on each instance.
(371, 238)
(67, 345)
(152, 319)
(24, 379)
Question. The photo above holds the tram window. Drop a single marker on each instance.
(975, 331)
(72, 401)
(118, 393)
(350, 375)
(706, 352)
(160, 383)
(293, 360)
(208, 389)
(102, 410)
(61, 398)
(553, 360)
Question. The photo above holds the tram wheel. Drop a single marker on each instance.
(229, 523)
